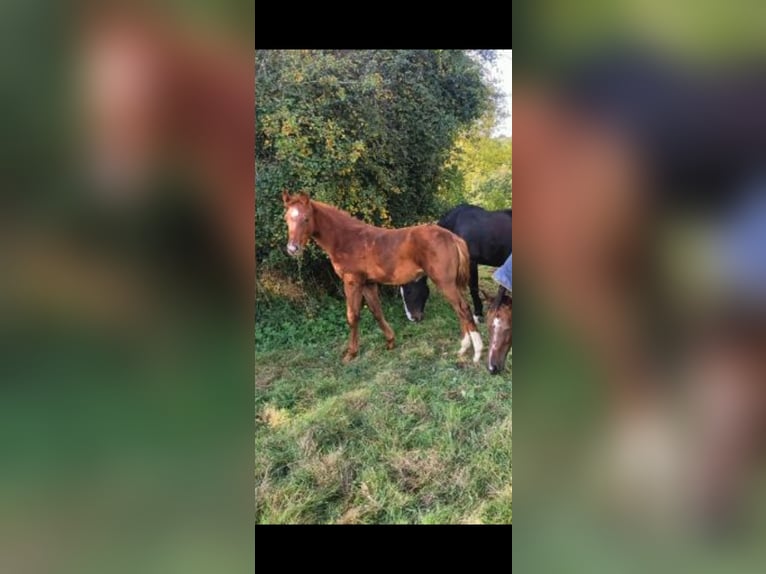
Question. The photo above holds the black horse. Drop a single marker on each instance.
(488, 235)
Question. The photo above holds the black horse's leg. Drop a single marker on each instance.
(478, 314)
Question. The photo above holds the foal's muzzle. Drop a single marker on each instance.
(292, 248)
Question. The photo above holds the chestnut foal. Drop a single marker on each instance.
(364, 255)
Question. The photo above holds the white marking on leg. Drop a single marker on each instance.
(476, 319)
(477, 345)
(409, 316)
(465, 343)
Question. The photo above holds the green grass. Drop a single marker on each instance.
(411, 435)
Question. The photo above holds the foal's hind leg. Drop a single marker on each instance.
(370, 292)
(467, 324)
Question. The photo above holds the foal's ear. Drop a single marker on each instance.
(304, 198)
(285, 197)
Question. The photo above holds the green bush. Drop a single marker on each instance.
(367, 131)
(495, 191)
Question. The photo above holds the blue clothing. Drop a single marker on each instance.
(742, 249)
(504, 274)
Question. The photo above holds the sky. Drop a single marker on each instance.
(503, 75)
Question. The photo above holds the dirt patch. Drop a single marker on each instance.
(332, 470)
(264, 379)
(416, 468)
(307, 443)
(356, 400)
(461, 477)
(352, 515)
(271, 283)
(414, 407)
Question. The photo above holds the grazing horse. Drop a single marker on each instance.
(499, 320)
(364, 256)
(634, 140)
(489, 239)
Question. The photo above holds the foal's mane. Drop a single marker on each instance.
(338, 216)
(499, 300)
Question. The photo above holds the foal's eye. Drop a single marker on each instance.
(305, 220)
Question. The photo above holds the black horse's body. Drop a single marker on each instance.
(489, 239)
(701, 131)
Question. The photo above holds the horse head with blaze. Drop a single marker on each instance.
(500, 323)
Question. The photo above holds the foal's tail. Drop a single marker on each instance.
(463, 263)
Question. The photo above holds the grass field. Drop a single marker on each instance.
(410, 435)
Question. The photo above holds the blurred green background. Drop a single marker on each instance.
(562, 415)
(125, 362)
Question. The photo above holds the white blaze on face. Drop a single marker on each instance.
(295, 213)
(495, 326)
(409, 315)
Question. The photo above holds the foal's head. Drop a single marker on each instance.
(299, 215)
(499, 320)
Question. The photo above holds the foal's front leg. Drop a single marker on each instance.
(370, 292)
(352, 286)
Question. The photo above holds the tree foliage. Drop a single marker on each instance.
(479, 168)
(368, 131)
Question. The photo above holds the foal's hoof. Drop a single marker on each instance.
(348, 357)
(390, 344)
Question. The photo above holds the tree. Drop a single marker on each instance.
(479, 168)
